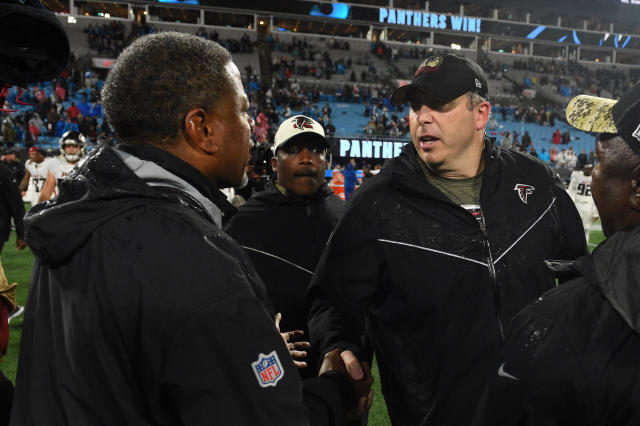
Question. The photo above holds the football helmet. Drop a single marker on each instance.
(73, 138)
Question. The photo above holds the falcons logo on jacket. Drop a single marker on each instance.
(302, 123)
(524, 191)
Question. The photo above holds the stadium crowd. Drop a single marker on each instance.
(157, 298)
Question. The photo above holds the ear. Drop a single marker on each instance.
(200, 128)
(482, 113)
(274, 164)
(634, 199)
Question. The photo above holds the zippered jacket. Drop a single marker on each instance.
(571, 358)
(142, 311)
(284, 235)
(436, 287)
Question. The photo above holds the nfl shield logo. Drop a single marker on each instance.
(268, 369)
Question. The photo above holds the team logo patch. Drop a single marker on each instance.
(636, 133)
(478, 84)
(302, 123)
(268, 369)
(524, 191)
(430, 64)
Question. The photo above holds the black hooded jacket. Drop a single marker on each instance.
(435, 285)
(285, 235)
(142, 311)
(571, 358)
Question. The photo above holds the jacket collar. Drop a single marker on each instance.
(183, 170)
(406, 172)
(271, 194)
(614, 270)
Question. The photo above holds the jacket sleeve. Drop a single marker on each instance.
(345, 284)
(540, 377)
(212, 368)
(507, 396)
(503, 401)
(210, 372)
(13, 200)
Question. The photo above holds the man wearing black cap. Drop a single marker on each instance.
(285, 228)
(572, 356)
(439, 251)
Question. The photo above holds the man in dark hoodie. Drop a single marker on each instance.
(571, 358)
(436, 253)
(141, 309)
(285, 228)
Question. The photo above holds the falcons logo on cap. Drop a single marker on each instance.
(431, 64)
(302, 123)
(524, 191)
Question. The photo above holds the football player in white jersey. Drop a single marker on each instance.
(580, 192)
(36, 172)
(73, 146)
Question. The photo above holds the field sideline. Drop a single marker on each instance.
(17, 266)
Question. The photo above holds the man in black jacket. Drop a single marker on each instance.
(10, 158)
(439, 251)
(285, 228)
(141, 309)
(11, 207)
(571, 358)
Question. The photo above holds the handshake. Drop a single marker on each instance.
(359, 374)
(339, 361)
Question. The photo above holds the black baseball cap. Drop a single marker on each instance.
(34, 46)
(602, 115)
(445, 77)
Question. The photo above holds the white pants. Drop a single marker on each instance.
(586, 214)
(31, 196)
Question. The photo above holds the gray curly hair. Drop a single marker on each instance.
(157, 80)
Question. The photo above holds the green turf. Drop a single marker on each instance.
(378, 415)
(18, 264)
(17, 267)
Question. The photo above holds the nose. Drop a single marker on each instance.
(305, 156)
(424, 115)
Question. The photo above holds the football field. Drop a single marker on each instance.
(17, 266)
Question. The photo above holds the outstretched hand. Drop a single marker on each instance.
(296, 349)
(346, 363)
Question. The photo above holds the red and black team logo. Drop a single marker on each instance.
(524, 191)
(431, 64)
(302, 123)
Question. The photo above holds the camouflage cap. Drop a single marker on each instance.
(7, 291)
(602, 115)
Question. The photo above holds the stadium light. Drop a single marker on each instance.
(71, 19)
(107, 15)
(455, 46)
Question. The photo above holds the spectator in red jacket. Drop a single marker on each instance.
(60, 92)
(73, 111)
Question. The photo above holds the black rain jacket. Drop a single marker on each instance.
(142, 311)
(11, 205)
(285, 235)
(436, 286)
(571, 358)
